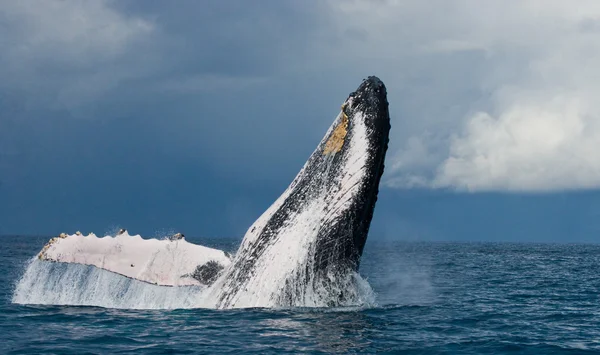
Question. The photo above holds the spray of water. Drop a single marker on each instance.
(53, 283)
(50, 283)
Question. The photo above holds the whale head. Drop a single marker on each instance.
(305, 247)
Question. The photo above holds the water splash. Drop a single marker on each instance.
(53, 283)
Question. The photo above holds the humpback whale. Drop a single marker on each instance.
(304, 250)
(305, 246)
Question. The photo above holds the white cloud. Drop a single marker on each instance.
(529, 120)
(530, 146)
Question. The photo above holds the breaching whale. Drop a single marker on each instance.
(304, 250)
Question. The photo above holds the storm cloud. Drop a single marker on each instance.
(195, 115)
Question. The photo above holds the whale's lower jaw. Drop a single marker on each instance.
(306, 248)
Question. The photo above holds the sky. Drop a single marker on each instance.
(194, 116)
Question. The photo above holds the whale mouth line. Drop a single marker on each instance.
(303, 251)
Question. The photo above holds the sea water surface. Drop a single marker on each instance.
(431, 298)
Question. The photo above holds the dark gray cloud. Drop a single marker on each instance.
(195, 115)
(231, 38)
(175, 119)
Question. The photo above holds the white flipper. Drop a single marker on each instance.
(161, 262)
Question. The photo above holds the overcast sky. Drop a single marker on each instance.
(194, 116)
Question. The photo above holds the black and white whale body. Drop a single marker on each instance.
(304, 250)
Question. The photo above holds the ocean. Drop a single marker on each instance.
(429, 298)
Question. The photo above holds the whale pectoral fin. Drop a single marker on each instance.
(160, 262)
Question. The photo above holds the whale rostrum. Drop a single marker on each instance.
(304, 250)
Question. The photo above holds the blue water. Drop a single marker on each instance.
(432, 298)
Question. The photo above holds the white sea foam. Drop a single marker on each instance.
(50, 283)
(54, 283)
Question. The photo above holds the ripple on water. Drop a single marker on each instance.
(447, 298)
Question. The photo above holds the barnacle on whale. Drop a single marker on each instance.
(336, 141)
